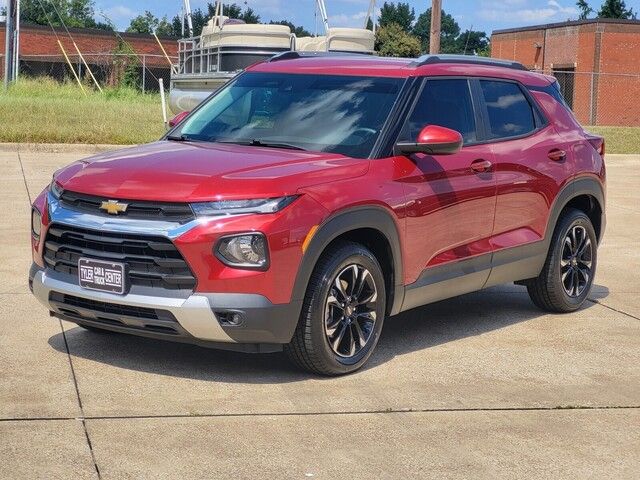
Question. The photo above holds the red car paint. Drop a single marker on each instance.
(444, 209)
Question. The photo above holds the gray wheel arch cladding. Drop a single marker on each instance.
(585, 185)
(344, 221)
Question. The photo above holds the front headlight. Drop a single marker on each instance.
(246, 250)
(238, 207)
(36, 223)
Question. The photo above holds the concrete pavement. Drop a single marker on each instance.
(484, 386)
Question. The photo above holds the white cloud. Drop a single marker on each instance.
(120, 12)
(265, 8)
(344, 20)
(494, 11)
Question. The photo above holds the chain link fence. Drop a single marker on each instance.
(141, 71)
(605, 99)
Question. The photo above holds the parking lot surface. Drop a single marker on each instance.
(482, 386)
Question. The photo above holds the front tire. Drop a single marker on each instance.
(342, 313)
(567, 276)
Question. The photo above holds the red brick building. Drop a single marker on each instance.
(597, 63)
(41, 55)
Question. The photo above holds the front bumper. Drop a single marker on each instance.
(198, 318)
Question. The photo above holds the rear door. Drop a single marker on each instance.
(450, 198)
(527, 174)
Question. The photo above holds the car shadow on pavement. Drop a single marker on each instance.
(418, 329)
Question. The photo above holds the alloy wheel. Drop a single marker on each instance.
(576, 262)
(350, 311)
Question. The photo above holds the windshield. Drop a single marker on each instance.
(338, 114)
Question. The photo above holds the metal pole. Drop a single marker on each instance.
(16, 69)
(434, 40)
(144, 72)
(8, 45)
(164, 103)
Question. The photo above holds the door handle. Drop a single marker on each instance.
(557, 155)
(481, 165)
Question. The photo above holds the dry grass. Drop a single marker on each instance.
(619, 139)
(44, 111)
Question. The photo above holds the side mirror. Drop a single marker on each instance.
(432, 140)
(177, 119)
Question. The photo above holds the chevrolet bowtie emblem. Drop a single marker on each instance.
(113, 207)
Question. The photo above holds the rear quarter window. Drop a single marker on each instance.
(509, 112)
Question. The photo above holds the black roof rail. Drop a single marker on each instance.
(293, 55)
(468, 59)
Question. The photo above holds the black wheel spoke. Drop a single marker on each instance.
(575, 263)
(350, 310)
(338, 338)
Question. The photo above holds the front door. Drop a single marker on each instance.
(450, 199)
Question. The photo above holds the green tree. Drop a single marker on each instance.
(149, 23)
(127, 65)
(449, 32)
(393, 41)
(198, 18)
(249, 16)
(299, 31)
(231, 11)
(615, 9)
(401, 14)
(472, 42)
(585, 9)
(74, 13)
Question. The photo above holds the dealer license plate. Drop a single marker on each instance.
(102, 276)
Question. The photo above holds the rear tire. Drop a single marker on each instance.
(567, 276)
(342, 313)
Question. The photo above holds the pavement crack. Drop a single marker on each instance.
(613, 309)
(341, 412)
(82, 417)
(24, 178)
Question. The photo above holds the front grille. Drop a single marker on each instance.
(112, 314)
(139, 209)
(150, 261)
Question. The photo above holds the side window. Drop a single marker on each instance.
(446, 103)
(510, 113)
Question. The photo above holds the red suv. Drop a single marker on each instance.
(316, 195)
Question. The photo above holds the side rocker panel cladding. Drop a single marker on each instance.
(508, 265)
(371, 217)
(526, 261)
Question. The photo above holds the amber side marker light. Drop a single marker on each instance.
(308, 238)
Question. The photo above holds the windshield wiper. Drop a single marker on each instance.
(261, 143)
(177, 138)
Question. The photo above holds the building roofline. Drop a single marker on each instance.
(570, 23)
(91, 31)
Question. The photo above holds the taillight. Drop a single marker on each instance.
(598, 144)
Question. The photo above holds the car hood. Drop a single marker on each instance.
(187, 171)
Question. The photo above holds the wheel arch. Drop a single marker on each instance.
(372, 226)
(583, 193)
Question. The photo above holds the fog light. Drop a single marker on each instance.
(36, 223)
(247, 250)
(229, 319)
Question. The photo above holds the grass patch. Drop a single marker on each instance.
(45, 111)
(619, 139)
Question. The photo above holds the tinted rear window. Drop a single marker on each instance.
(510, 114)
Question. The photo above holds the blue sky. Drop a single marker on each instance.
(484, 15)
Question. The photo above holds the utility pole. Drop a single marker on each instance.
(10, 43)
(434, 40)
